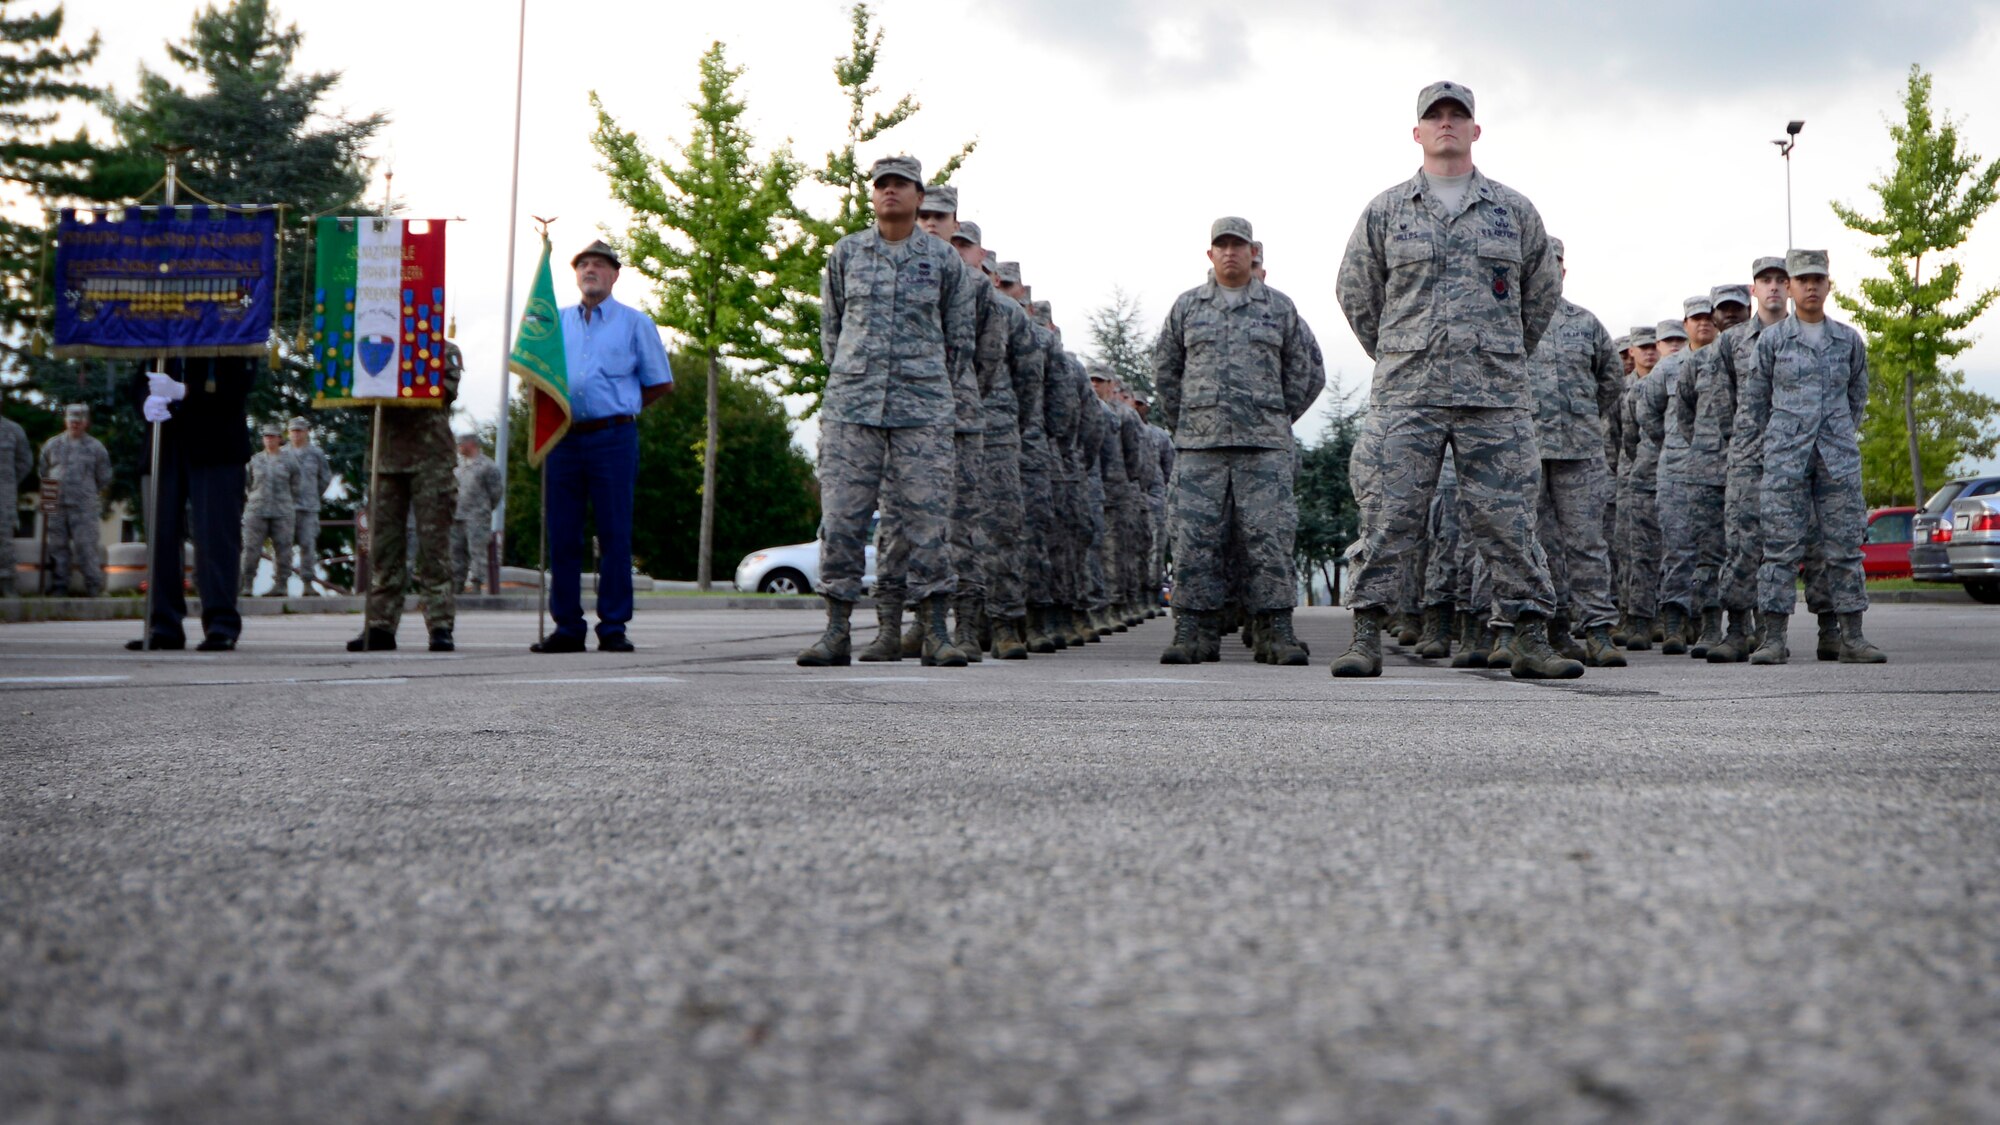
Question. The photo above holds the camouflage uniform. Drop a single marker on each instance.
(1438, 582)
(1743, 527)
(897, 319)
(1450, 306)
(1806, 400)
(1577, 380)
(481, 487)
(1639, 499)
(1703, 410)
(1160, 444)
(270, 512)
(17, 463)
(414, 479)
(1001, 323)
(1064, 424)
(1231, 382)
(1677, 550)
(1135, 528)
(315, 477)
(83, 467)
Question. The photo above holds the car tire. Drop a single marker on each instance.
(1986, 591)
(784, 580)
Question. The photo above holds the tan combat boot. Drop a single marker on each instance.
(1855, 648)
(1773, 650)
(1363, 658)
(939, 652)
(1533, 658)
(888, 643)
(833, 649)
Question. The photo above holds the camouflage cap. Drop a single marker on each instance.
(1444, 91)
(468, 436)
(76, 410)
(1699, 305)
(1100, 374)
(1765, 265)
(1256, 253)
(270, 429)
(1042, 309)
(1028, 293)
(1556, 244)
(967, 231)
(1642, 337)
(1622, 344)
(1806, 263)
(989, 269)
(904, 166)
(1669, 330)
(1229, 226)
(939, 199)
(298, 424)
(1723, 294)
(601, 249)
(1010, 272)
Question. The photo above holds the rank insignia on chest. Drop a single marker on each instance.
(1499, 283)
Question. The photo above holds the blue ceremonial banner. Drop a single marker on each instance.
(181, 281)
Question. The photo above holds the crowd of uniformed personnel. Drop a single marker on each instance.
(1533, 494)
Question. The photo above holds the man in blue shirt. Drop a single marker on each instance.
(617, 366)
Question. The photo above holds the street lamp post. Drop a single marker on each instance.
(1785, 147)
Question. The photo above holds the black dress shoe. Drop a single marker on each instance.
(216, 642)
(559, 642)
(160, 644)
(441, 641)
(614, 643)
(373, 640)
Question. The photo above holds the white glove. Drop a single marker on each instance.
(164, 386)
(156, 409)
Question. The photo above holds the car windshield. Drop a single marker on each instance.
(1942, 498)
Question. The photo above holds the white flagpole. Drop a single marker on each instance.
(507, 313)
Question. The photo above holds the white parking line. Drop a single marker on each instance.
(601, 680)
(63, 679)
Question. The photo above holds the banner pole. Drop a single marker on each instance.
(152, 500)
(499, 526)
(374, 527)
(542, 616)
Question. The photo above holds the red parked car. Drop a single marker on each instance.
(1885, 550)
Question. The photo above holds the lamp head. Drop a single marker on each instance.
(1792, 128)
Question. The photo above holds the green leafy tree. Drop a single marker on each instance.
(711, 233)
(259, 132)
(1329, 517)
(1929, 203)
(1117, 330)
(774, 478)
(805, 373)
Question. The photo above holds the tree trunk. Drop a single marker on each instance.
(1910, 401)
(704, 569)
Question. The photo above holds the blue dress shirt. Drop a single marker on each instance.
(613, 354)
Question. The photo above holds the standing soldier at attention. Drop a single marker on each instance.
(1805, 396)
(1703, 468)
(1449, 283)
(1234, 367)
(1578, 382)
(315, 476)
(413, 475)
(480, 489)
(271, 511)
(898, 312)
(81, 467)
(1676, 593)
(17, 463)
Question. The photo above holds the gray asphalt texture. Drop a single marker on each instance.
(698, 883)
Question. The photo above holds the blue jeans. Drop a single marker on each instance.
(599, 468)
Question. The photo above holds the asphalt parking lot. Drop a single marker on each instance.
(697, 883)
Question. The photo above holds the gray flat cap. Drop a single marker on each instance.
(1806, 263)
(939, 199)
(1642, 337)
(1723, 294)
(1010, 272)
(1697, 306)
(968, 231)
(1231, 226)
(1444, 91)
(1764, 265)
(1669, 330)
(904, 166)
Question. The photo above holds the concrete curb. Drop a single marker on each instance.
(18, 610)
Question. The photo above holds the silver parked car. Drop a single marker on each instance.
(1931, 530)
(794, 569)
(1975, 546)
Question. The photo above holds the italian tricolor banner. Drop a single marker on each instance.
(378, 312)
(542, 364)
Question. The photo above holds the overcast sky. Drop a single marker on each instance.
(1112, 131)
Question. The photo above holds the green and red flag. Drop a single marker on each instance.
(543, 366)
(378, 312)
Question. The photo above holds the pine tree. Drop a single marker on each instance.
(259, 132)
(712, 234)
(1929, 202)
(1117, 330)
(39, 167)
